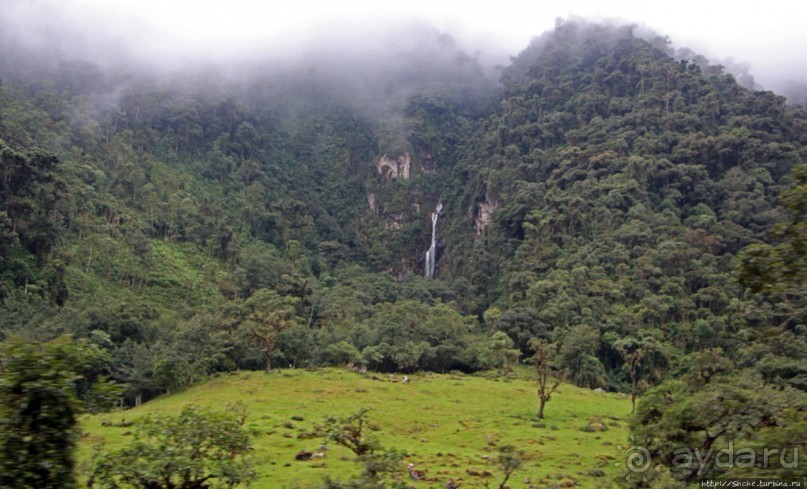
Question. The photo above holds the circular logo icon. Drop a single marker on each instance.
(637, 459)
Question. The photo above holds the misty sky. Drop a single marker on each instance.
(771, 36)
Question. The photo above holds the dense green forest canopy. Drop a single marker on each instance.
(594, 198)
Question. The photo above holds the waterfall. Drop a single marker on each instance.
(432, 252)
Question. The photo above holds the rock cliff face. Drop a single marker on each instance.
(394, 222)
(394, 168)
(427, 163)
(395, 211)
(484, 214)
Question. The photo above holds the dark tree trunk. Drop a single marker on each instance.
(269, 347)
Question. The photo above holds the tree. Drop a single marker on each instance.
(782, 268)
(502, 353)
(268, 314)
(634, 351)
(354, 433)
(686, 426)
(385, 462)
(39, 405)
(577, 356)
(542, 360)
(30, 190)
(192, 450)
(351, 432)
(509, 460)
(342, 353)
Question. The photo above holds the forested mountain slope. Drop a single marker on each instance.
(623, 182)
(160, 216)
(596, 198)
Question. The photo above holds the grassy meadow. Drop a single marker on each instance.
(449, 425)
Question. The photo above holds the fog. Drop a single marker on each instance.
(182, 36)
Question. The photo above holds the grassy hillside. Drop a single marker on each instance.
(447, 424)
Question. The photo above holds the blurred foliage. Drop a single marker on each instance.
(43, 389)
(196, 448)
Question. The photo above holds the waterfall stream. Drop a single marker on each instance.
(432, 252)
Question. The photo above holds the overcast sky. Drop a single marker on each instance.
(770, 35)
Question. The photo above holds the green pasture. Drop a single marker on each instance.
(449, 425)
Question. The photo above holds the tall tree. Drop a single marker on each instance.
(269, 313)
(633, 351)
(542, 361)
